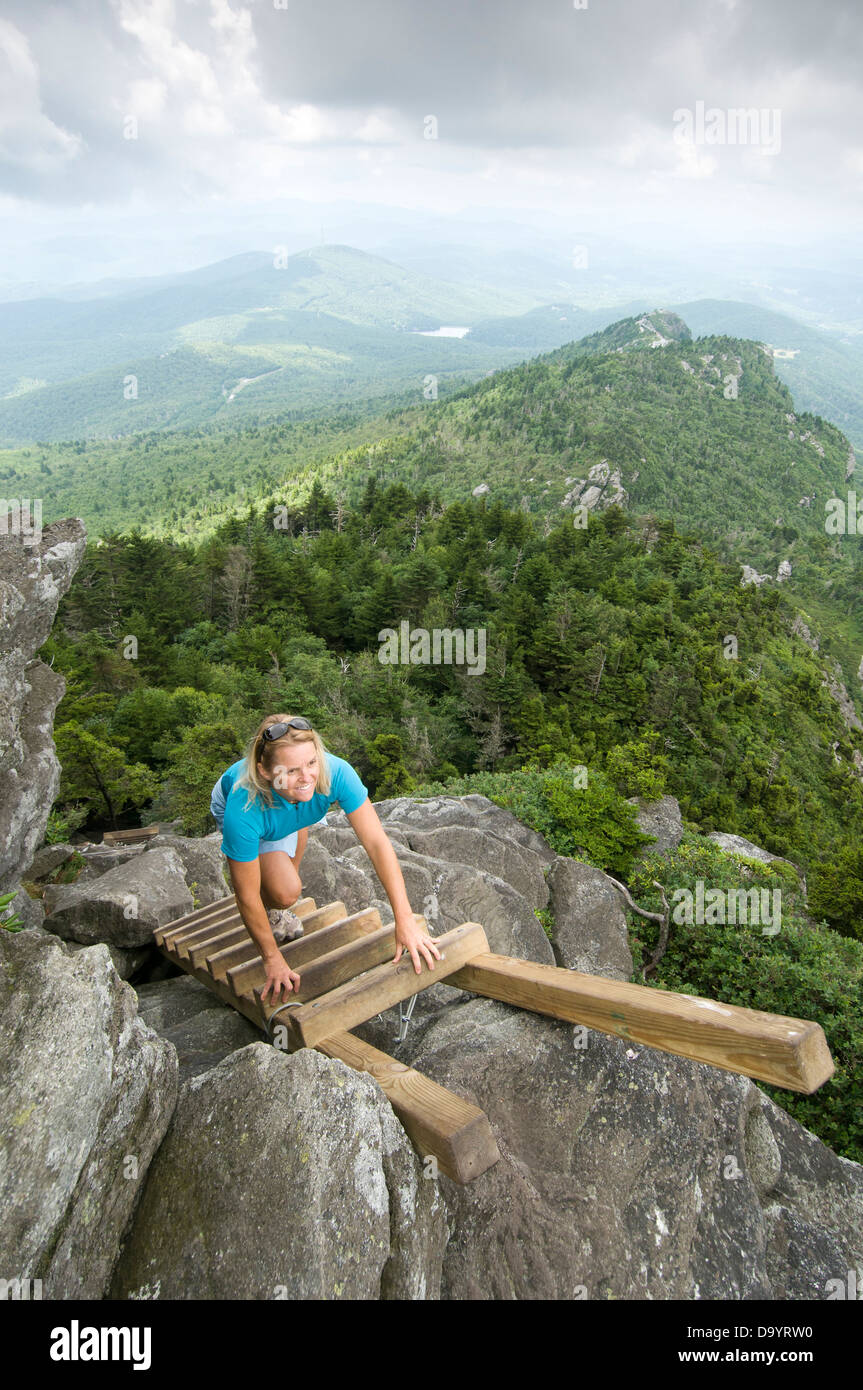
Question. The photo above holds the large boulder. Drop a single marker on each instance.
(86, 1092)
(627, 1173)
(472, 811)
(195, 1021)
(590, 930)
(284, 1177)
(662, 820)
(33, 579)
(202, 864)
(123, 906)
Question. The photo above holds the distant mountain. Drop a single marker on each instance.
(331, 323)
(549, 326)
(823, 370)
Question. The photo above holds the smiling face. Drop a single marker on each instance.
(294, 770)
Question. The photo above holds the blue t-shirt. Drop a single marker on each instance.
(243, 830)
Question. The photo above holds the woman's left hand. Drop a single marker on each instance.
(411, 936)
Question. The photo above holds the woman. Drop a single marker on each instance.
(264, 804)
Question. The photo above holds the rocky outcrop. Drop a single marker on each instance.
(86, 1093)
(194, 1021)
(123, 906)
(333, 1203)
(624, 1172)
(628, 1173)
(33, 579)
(660, 819)
(590, 931)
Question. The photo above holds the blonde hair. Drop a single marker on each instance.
(266, 752)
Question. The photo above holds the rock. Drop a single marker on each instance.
(197, 1024)
(327, 877)
(47, 860)
(33, 579)
(86, 1088)
(751, 576)
(334, 1204)
(473, 811)
(735, 844)
(484, 850)
(30, 910)
(661, 819)
(127, 961)
(589, 914)
(617, 1172)
(100, 859)
(202, 864)
(123, 906)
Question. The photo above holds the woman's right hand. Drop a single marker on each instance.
(279, 977)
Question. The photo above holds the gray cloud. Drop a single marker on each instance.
(537, 104)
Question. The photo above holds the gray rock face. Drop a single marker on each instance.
(616, 1176)
(473, 811)
(86, 1092)
(47, 860)
(33, 579)
(662, 819)
(735, 844)
(202, 864)
(334, 1204)
(589, 921)
(195, 1022)
(123, 906)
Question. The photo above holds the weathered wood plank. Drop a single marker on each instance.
(787, 1052)
(130, 837)
(381, 988)
(436, 1120)
(249, 972)
(329, 971)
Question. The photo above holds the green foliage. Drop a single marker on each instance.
(97, 774)
(195, 763)
(11, 921)
(62, 824)
(594, 823)
(637, 768)
(804, 971)
(836, 890)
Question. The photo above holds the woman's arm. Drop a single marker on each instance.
(410, 936)
(246, 879)
(302, 841)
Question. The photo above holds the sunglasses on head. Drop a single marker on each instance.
(276, 730)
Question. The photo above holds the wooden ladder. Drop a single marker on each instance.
(348, 976)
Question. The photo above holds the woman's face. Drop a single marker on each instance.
(295, 771)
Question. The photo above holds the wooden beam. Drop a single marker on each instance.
(200, 951)
(203, 916)
(436, 1120)
(360, 999)
(130, 837)
(248, 972)
(788, 1052)
(335, 967)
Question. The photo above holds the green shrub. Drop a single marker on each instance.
(806, 970)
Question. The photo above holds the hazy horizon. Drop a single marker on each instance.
(147, 137)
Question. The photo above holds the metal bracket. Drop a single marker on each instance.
(405, 1018)
(294, 1004)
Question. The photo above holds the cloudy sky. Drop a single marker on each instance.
(146, 135)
